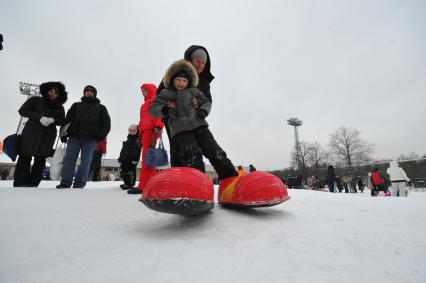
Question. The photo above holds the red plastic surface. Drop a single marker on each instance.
(257, 188)
(179, 182)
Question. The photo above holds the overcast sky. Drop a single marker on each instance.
(359, 64)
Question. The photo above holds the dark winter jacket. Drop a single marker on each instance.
(89, 119)
(131, 149)
(339, 184)
(205, 78)
(252, 168)
(185, 117)
(360, 184)
(331, 175)
(38, 140)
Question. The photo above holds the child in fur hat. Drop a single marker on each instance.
(188, 127)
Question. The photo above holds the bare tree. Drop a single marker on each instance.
(316, 155)
(348, 147)
(300, 160)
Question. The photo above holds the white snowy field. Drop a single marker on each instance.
(102, 234)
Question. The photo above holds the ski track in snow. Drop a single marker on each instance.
(102, 234)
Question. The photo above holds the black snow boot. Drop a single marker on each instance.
(124, 187)
(134, 191)
(62, 186)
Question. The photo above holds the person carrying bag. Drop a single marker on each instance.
(156, 157)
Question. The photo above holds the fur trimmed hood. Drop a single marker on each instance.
(181, 65)
(62, 96)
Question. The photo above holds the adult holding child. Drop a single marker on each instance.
(199, 57)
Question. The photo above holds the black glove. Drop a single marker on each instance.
(165, 110)
(201, 114)
(64, 139)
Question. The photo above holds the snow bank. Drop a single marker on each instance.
(102, 234)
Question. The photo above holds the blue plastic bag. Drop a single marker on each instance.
(156, 157)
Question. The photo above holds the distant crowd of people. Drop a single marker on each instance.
(395, 184)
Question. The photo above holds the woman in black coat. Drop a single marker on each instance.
(44, 113)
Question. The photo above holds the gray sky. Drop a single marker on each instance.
(359, 64)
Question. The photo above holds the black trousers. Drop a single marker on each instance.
(192, 145)
(331, 187)
(128, 173)
(27, 175)
(174, 150)
(95, 166)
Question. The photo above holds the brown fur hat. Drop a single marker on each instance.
(177, 67)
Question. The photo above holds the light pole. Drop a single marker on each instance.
(295, 122)
(29, 90)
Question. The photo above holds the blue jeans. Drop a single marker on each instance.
(87, 147)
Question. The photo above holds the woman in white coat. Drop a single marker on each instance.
(398, 178)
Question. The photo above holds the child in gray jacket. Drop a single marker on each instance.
(187, 108)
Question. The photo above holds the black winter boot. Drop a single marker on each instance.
(62, 186)
(134, 191)
(124, 187)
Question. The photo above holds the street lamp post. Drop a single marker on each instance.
(29, 90)
(295, 122)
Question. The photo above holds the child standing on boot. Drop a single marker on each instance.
(129, 158)
(187, 107)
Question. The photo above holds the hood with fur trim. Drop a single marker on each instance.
(179, 66)
(62, 96)
(152, 89)
(205, 74)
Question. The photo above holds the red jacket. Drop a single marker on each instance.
(101, 146)
(377, 179)
(147, 122)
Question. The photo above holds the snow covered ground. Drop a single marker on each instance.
(102, 234)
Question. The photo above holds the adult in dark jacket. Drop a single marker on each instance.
(199, 57)
(39, 134)
(252, 168)
(129, 158)
(331, 178)
(360, 184)
(90, 123)
(339, 184)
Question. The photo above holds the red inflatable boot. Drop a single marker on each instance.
(256, 189)
(179, 190)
